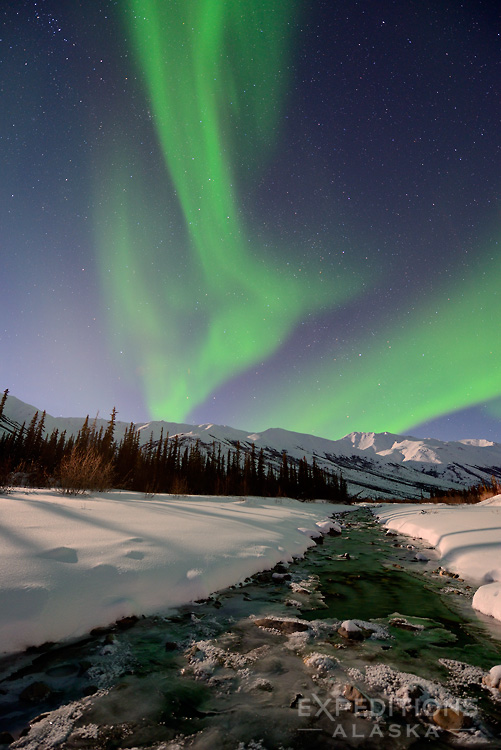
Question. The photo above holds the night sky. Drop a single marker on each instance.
(260, 213)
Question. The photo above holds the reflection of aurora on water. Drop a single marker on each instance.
(265, 664)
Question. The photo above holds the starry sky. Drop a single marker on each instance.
(260, 213)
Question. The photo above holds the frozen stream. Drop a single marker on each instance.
(357, 645)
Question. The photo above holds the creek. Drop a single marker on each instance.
(265, 664)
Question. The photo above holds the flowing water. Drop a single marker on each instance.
(264, 664)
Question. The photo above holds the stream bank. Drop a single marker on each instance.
(362, 643)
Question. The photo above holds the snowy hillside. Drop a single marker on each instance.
(379, 465)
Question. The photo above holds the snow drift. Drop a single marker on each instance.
(70, 564)
(467, 538)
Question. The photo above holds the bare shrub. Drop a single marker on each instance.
(179, 486)
(5, 484)
(5, 480)
(85, 470)
(30, 474)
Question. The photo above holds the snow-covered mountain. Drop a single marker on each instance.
(379, 465)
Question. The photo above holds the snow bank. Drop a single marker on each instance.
(493, 679)
(326, 527)
(68, 564)
(467, 538)
(487, 599)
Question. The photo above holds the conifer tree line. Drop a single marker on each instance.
(93, 460)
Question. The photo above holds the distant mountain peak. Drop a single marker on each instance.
(375, 464)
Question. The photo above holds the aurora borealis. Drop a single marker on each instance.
(260, 214)
(246, 306)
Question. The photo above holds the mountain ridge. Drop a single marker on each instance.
(376, 465)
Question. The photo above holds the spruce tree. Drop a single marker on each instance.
(107, 443)
(2, 402)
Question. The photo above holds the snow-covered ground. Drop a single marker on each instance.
(69, 564)
(467, 538)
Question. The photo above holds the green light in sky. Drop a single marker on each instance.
(442, 357)
(199, 304)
